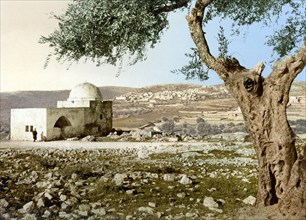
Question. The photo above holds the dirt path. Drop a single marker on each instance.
(90, 145)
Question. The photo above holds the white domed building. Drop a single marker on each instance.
(83, 113)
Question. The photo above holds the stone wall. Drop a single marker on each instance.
(74, 115)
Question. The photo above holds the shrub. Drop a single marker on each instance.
(168, 126)
(185, 125)
(203, 128)
(199, 120)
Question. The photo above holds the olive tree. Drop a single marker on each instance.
(105, 31)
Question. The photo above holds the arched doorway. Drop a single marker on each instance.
(62, 123)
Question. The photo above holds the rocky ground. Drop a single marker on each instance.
(208, 180)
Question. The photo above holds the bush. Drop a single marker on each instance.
(199, 120)
(185, 125)
(168, 126)
(203, 128)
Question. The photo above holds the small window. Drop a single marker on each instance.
(31, 128)
(27, 128)
(72, 101)
(101, 116)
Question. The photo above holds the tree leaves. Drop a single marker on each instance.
(286, 17)
(106, 31)
(195, 68)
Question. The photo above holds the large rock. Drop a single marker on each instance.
(148, 210)
(40, 203)
(169, 177)
(211, 204)
(250, 200)
(185, 180)
(88, 138)
(84, 207)
(28, 206)
(119, 179)
(3, 203)
(143, 154)
(99, 211)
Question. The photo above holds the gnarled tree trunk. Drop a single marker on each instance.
(282, 172)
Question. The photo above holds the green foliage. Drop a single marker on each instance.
(243, 13)
(223, 44)
(195, 68)
(106, 31)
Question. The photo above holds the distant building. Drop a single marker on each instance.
(83, 113)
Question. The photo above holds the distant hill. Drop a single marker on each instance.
(46, 99)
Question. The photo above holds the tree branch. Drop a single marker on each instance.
(172, 7)
(258, 68)
(195, 23)
(284, 73)
(290, 67)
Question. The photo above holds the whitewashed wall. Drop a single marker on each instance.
(20, 118)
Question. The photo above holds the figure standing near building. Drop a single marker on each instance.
(34, 132)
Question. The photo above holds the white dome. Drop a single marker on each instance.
(85, 91)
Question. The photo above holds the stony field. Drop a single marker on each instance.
(209, 180)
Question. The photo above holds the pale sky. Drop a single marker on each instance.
(23, 58)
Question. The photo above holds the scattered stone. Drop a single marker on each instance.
(169, 177)
(130, 191)
(73, 139)
(63, 198)
(129, 217)
(28, 206)
(46, 214)
(88, 138)
(159, 215)
(99, 211)
(83, 213)
(84, 207)
(3, 203)
(250, 200)
(74, 176)
(64, 206)
(181, 195)
(221, 201)
(246, 180)
(148, 210)
(212, 189)
(190, 154)
(5, 215)
(143, 154)
(209, 202)
(185, 180)
(48, 196)
(152, 204)
(64, 215)
(191, 215)
(119, 179)
(40, 203)
(69, 194)
(29, 217)
(216, 210)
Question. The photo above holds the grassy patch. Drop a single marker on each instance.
(224, 153)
